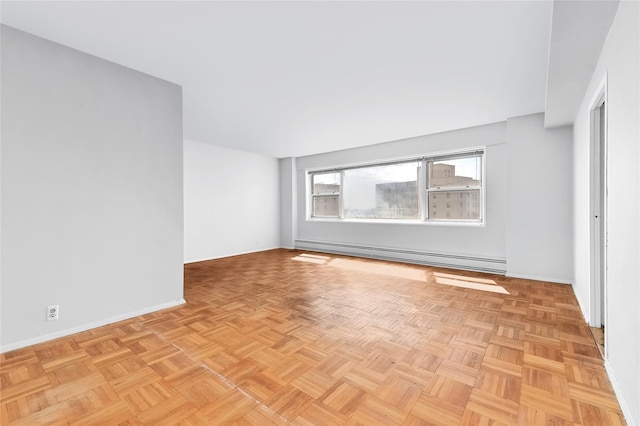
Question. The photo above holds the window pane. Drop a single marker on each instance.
(455, 172)
(464, 204)
(326, 183)
(382, 192)
(326, 206)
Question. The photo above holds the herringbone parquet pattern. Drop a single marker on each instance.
(285, 337)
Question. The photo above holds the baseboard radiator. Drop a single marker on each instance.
(491, 265)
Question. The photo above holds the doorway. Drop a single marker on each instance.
(599, 219)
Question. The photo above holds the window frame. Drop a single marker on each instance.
(480, 153)
(325, 195)
(423, 189)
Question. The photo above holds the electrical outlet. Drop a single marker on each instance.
(52, 312)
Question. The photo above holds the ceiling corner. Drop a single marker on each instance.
(579, 30)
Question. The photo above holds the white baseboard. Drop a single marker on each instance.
(585, 312)
(626, 411)
(492, 265)
(89, 326)
(539, 278)
(222, 256)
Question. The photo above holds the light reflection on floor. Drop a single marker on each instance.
(397, 271)
(464, 278)
(404, 272)
(312, 258)
(472, 285)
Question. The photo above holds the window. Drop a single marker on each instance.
(325, 192)
(388, 191)
(418, 189)
(458, 175)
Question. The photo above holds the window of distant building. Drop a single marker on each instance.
(416, 189)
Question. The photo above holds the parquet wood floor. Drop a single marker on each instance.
(598, 336)
(285, 337)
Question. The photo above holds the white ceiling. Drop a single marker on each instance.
(579, 30)
(298, 78)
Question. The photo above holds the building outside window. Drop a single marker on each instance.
(458, 176)
(388, 191)
(325, 194)
(417, 189)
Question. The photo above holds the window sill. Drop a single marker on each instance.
(446, 223)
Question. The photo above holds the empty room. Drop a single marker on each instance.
(320, 212)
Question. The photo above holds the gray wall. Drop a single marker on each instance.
(484, 241)
(91, 185)
(288, 206)
(619, 66)
(231, 202)
(539, 225)
(528, 242)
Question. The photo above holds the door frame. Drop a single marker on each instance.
(598, 206)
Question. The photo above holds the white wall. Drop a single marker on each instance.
(91, 191)
(288, 230)
(539, 207)
(528, 202)
(231, 202)
(620, 63)
(462, 241)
